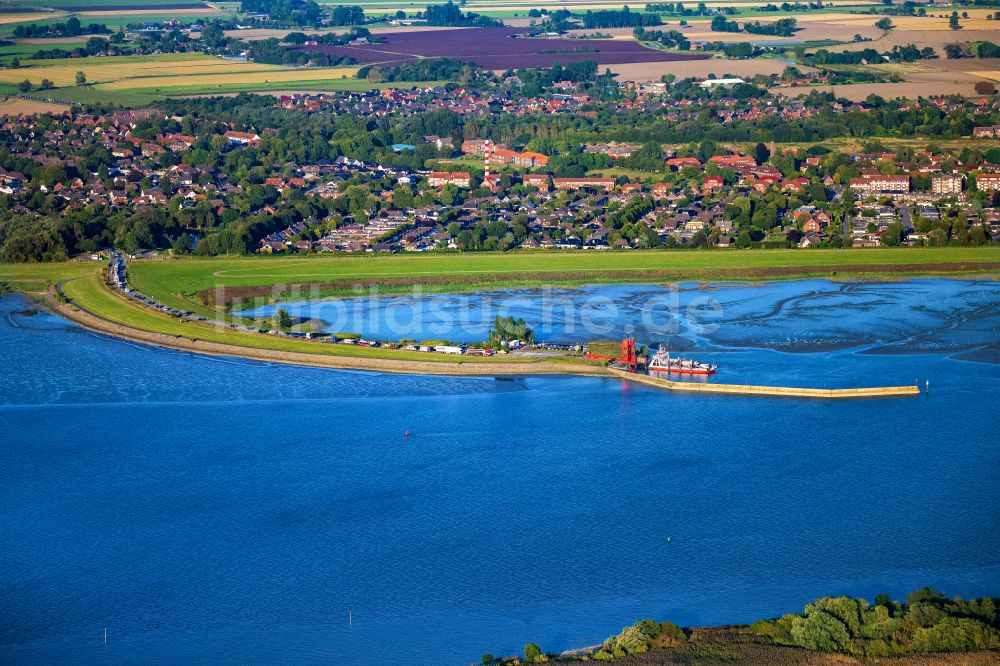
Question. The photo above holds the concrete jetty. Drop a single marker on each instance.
(788, 392)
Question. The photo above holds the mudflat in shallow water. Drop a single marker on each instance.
(223, 510)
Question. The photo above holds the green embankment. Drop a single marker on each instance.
(93, 295)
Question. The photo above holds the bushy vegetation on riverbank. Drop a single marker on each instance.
(927, 622)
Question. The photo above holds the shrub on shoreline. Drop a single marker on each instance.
(927, 622)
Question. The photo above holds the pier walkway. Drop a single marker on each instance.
(740, 389)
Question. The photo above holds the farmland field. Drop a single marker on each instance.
(506, 8)
(143, 78)
(927, 77)
(96, 5)
(652, 71)
(14, 107)
(858, 92)
(495, 48)
(22, 18)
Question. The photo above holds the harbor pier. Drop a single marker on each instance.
(784, 391)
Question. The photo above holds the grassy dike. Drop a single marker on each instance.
(93, 305)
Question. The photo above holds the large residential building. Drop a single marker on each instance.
(946, 183)
(988, 182)
(475, 146)
(539, 180)
(879, 184)
(243, 138)
(992, 132)
(531, 160)
(583, 183)
(442, 178)
(730, 161)
(502, 156)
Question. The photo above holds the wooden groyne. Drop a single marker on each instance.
(788, 392)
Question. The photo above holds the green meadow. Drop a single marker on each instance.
(177, 282)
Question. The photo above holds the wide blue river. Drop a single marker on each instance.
(209, 510)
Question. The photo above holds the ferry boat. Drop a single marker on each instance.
(661, 362)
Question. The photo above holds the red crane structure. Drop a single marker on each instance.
(628, 355)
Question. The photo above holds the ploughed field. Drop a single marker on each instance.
(497, 48)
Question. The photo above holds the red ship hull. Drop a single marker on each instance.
(685, 371)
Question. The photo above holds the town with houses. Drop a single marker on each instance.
(485, 195)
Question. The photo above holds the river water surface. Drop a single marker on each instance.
(220, 510)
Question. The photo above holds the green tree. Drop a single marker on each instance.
(954, 51)
(954, 634)
(820, 631)
(182, 244)
(953, 21)
(283, 319)
(24, 86)
(81, 78)
(893, 234)
(533, 654)
(884, 24)
(743, 240)
(761, 153)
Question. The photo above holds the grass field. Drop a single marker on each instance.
(178, 282)
(46, 274)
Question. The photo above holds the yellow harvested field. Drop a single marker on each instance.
(859, 91)
(507, 5)
(709, 36)
(993, 75)
(105, 13)
(23, 18)
(14, 106)
(276, 75)
(935, 39)
(49, 41)
(907, 23)
(256, 34)
(106, 70)
(582, 6)
(128, 73)
(652, 71)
